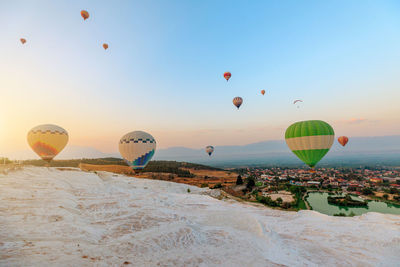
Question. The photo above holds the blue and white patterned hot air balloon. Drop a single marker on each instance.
(209, 150)
(137, 148)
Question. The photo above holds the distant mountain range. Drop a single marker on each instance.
(383, 150)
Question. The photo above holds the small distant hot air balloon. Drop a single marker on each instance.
(262, 92)
(227, 75)
(47, 140)
(105, 46)
(84, 14)
(209, 150)
(23, 41)
(343, 140)
(310, 140)
(237, 101)
(137, 148)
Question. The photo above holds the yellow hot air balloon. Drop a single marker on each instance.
(47, 140)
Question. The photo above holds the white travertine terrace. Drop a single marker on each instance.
(50, 217)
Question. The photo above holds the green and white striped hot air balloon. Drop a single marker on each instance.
(310, 140)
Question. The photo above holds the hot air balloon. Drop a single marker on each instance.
(137, 148)
(105, 46)
(237, 101)
(227, 75)
(84, 14)
(310, 140)
(298, 100)
(47, 140)
(262, 92)
(23, 41)
(209, 150)
(343, 140)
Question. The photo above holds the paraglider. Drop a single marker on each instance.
(310, 140)
(237, 101)
(23, 41)
(227, 75)
(262, 92)
(47, 140)
(105, 46)
(343, 140)
(209, 150)
(298, 100)
(84, 14)
(137, 148)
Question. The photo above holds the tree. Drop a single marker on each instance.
(279, 200)
(385, 196)
(393, 190)
(239, 180)
(367, 191)
(250, 182)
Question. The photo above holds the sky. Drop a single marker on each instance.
(163, 71)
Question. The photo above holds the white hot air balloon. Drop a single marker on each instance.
(137, 148)
(209, 150)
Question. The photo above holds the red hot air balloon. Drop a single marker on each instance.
(23, 41)
(105, 46)
(262, 92)
(343, 140)
(227, 75)
(84, 14)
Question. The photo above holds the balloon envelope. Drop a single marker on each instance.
(209, 150)
(227, 75)
(310, 140)
(105, 46)
(237, 101)
(343, 140)
(137, 148)
(262, 92)
(47, 140)
(23, 41)
(84, 14)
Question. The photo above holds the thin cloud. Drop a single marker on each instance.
(356, 120)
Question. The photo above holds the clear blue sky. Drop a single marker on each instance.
(163, 70)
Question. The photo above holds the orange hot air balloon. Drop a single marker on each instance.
(343, 140)
(227, 75)
(84, 14)
(105, 46)
(237, 101)
(262, 92)
(23, 41)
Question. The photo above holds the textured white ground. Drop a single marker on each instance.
(50, 217)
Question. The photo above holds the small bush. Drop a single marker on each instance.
(219, 185)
